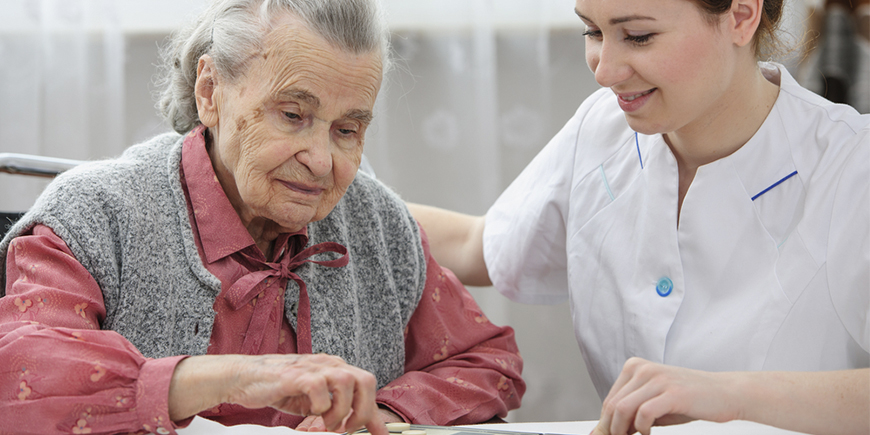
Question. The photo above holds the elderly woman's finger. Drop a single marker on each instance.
(311, 423)
(342, 384)
(375, 425)
(316, 388)
(601, 429)
(365, 410)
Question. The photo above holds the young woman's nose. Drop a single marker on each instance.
(608, 63)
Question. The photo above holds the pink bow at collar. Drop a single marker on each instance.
(246, 288)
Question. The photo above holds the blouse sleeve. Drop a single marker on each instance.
(524, 239)
(65, 374)
(848, 260)
(455, 357)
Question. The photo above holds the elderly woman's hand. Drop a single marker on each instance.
(314, 423)
(323, 385)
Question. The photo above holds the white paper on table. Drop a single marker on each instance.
(693, 428)
(204, 426)
(201, 426)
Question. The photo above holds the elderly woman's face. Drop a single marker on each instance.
(287, 137)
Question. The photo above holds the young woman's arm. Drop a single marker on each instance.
(647, 394)
(456, 242)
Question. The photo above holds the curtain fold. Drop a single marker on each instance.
(61, 85)
(479, 88)
(471, 102)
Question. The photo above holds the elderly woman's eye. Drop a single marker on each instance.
(350, 129)
(293, 116)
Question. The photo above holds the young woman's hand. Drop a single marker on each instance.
(648, 394)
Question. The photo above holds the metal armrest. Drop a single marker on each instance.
(25, 164)
(39, 166)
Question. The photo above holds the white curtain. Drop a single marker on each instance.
(479, 87)
(75, 79)
(61, 85)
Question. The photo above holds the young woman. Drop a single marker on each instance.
(706, 218)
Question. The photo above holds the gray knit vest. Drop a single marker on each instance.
(126, 222)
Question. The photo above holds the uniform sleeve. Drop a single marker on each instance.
(524, 239)
(455, 358)
(848, 258)
(64, 374)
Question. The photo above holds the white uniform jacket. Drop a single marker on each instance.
(769, 268)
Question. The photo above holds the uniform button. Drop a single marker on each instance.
(664, 286)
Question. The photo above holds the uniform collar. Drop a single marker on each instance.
(766, 159)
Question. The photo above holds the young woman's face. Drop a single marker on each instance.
(667, 64)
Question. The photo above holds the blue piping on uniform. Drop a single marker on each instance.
(774, 185)
(606, 184)
(638, 150)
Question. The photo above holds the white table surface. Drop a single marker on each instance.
(201, 426)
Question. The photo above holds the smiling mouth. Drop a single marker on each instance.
(636, 96)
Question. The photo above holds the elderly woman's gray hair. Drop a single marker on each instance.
(231, 30)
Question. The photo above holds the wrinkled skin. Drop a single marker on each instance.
(287, 137)
(285, 140)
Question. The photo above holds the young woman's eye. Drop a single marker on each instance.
(594, 34)
(639, 39)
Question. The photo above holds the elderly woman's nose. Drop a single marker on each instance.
(317, 155)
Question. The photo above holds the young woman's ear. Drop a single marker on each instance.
(743, 20)
(205, 91)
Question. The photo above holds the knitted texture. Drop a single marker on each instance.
(126, 222)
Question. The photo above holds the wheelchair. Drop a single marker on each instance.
(50, 167)
(32, 166)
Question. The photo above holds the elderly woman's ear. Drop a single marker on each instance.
(205, 91)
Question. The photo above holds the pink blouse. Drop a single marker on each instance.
(66, 375)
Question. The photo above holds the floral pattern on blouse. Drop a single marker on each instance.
(70, 376)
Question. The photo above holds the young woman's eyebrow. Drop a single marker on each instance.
(618, 20)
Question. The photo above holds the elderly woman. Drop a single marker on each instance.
(197, 273)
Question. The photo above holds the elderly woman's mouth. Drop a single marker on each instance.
(302, 188)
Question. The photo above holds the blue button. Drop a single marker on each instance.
(664, 286)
